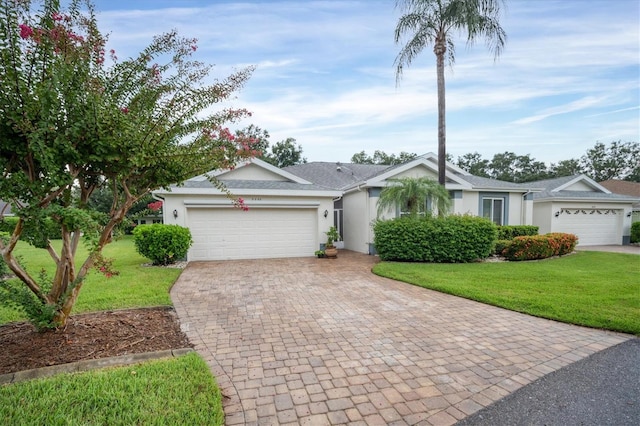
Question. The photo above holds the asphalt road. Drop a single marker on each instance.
(602, 389)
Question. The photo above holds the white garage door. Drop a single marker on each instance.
(593, 227)
(222, 234)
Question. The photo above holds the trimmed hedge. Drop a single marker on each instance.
(163, 244)
(509, 232)
(635, 232)
(540, 246)
(451, 239)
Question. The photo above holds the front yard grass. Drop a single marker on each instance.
(594, 289)
(136, 286)
(177, 391)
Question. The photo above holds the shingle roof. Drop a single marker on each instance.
(479, 182)
(622, 187)
(335, 175)
(255, 184)
(342, 176)
(549, 185)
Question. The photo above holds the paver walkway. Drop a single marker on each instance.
(317, 341)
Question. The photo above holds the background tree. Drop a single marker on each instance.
(619, 160)
(285, 153)
(435, 23)
(474, 164)
(413, 194)
(382, 158)
(565, 168)
(69, 125)
(258, 136)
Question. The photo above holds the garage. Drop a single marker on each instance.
(592, 226)
(260, 233)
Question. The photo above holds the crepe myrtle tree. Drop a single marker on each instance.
(74, 119)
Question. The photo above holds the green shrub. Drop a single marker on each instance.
(163, 244)
(443, 240)
(50, 230)
(540, 246)
(635, 232)
(509, 232)
(501, 246)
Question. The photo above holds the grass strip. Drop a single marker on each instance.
(594, 289)
(164, 392)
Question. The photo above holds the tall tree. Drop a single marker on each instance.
(619, 160)
(474, 164)
(435, 23)
(286, 153)
(258, 136)
(70, 124)
(565, 168)
(382, 158)
(413, 194)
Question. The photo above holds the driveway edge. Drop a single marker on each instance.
(91, 364)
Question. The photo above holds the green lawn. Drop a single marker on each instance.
(176, 391)
(136, 286)
(593, 289)
(180, 391)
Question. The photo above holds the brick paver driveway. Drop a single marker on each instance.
(316, 341)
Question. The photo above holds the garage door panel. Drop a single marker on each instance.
(221, 234)
(593, 227)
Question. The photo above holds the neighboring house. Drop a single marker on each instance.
(625, 188)
(581, 206)
(290, 209)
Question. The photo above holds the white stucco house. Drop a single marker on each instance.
(290, 209)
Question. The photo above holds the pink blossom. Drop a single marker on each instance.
(57, 16)
(25, 31)
(194, 47)
(124, 110)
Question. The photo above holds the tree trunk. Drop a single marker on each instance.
(439, 49)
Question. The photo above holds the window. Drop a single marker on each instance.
(422, 210)
(493, 209)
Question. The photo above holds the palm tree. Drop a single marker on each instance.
(413, 194)
(435, 22)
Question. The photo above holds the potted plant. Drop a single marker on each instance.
(320, 253)
(330, 250)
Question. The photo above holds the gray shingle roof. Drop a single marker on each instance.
(255, 184)
(548, 186)
(335, 175)
(479, 182)
(349, 175)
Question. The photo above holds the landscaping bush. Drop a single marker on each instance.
(540, 246)
(163, 244)
(509, 232)
(501, 246)
(635, 232)
(443, 240)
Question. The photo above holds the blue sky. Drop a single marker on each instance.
(569, 75)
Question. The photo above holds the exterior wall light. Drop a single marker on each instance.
(175, 214)
(326, 213)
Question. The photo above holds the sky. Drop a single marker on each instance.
(569, 75)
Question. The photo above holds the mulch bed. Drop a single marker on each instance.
(90, 336)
